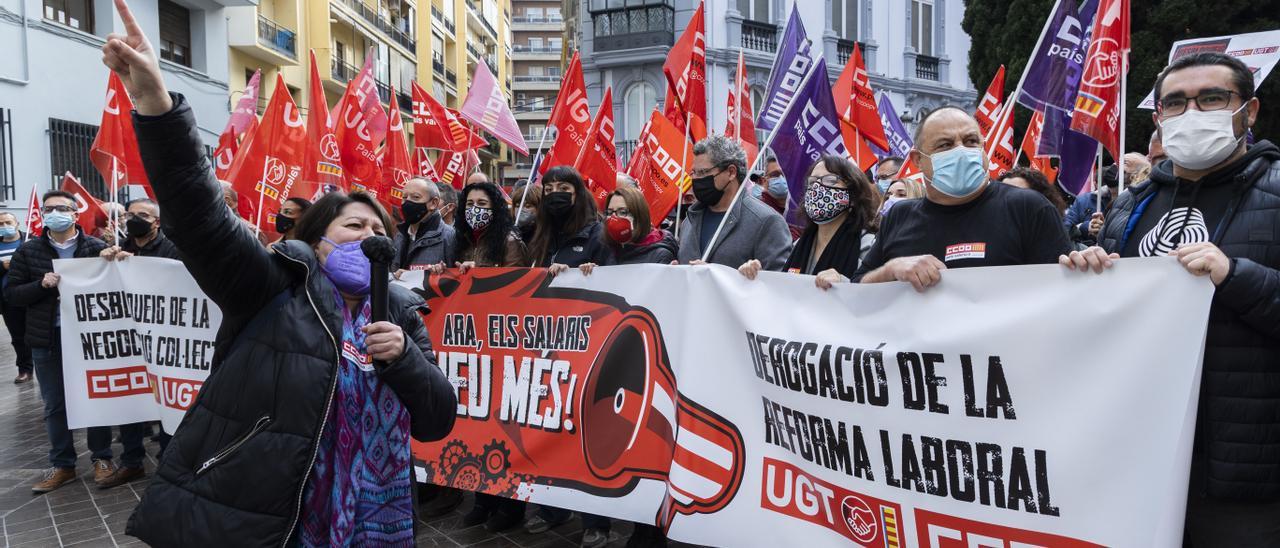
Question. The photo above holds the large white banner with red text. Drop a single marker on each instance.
(1017, 406)
(137, 340)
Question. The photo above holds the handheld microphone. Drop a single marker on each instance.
(381, 253)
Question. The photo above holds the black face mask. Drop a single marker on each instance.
(283, 224)
(137, 228)
(704, 189)
(413, 211)
(558, 204)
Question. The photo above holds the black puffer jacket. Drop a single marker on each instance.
(1238, 425)
(235, 471)
(27, 268)
(585, 246)
(662, 251)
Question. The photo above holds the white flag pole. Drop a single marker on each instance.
(684, 159)
(1124, 85)
(1097, 180)
(115, 211)
(533, 171)
(768, 143)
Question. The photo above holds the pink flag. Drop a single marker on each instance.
(246, 112)
(488, 108)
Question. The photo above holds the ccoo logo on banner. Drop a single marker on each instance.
(771, 413)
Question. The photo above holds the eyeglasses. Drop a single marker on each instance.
(1208, 101)
(700, 173)
(59, 208)
(144, 216)
(621, 212)
(830, 181)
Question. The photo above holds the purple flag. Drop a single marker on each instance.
(789, 67)
(810, 129)
(1054, 71)
(1076, 154)
(899, 139)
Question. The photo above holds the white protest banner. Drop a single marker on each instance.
(137, 340)
(1258, 50)
(771, 413)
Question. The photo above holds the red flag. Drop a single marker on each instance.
(990, 105)
(856, 104)
(454, 167)
(663, 178)
(1031, 145)
(999, 148)
(115, 148)
(571, 116)
(35, 221)
(361, 129)
(92, 216)
(271, 161)
(909, 170)
(227, 147)
(435, 126)
(637, 163)
(424, 165)
(598, 159)
(245, 114)
(740, 124)
(686, 72)
(396, 168)
(1097, 113)
(323, 164)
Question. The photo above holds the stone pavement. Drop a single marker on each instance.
(79, 514)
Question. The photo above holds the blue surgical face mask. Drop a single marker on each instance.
(778, 187)
(58, 221)
(958, 172)
(757, 191)
(883, 184)
(8, 231)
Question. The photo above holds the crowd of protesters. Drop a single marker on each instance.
(1201, 194)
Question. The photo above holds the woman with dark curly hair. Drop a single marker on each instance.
(841, 205)
(484, 230)
(1025, 177)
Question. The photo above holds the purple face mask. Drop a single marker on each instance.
(347, 268)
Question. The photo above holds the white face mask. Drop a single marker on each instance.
(1200, 140)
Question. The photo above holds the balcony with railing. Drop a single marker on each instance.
(844, 50)
(759, 36)
(277, 37)
(344, 71)
(625, 150)
(474, 13)
(437, 63)
(927, 67)
(370, 15)
(451, 77)
(262, 38)
(404, 100)
(525, 48)
(538, 19)
(633, 27)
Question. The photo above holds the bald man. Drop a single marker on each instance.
(964, 220)
(423, 239)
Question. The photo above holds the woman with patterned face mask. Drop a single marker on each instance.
(841, 207)
(484, 230)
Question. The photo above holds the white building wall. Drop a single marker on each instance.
(53, 71)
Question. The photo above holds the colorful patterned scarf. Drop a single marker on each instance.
(359, 492)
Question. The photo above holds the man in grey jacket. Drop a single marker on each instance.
(423, 239)
(752, 230)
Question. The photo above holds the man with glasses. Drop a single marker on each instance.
(964, 220)
(1215, 206)
(752, 230)
(34, 285)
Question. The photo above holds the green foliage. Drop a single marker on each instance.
(1005, 31)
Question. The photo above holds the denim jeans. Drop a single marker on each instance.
(62, 452)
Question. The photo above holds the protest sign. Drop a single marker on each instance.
(137, 340)
(1258, 50)
(768, 412)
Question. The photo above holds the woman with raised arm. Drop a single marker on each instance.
(300, 436)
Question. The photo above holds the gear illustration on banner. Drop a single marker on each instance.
(497, 459)
(467, 475)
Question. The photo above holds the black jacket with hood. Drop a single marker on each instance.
(662, 251)
(235, 471)
(1238, 424)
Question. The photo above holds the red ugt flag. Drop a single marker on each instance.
(115, 149)
(1097, 112)
(90, 208)
(571, 116)
(740, 124)
(859, 115)
(396, 168)
(323, 164)
(598, 159)
(360, 130)
(269, 166)
(35, 221)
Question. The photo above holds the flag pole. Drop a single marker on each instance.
(768, 143)
(1012, 99)
(1124, 85)
(533, 172)
(684, 158)
(257, 222)
(1097, 181)
(115, 212)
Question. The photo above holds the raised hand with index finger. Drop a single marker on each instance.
(132, 57)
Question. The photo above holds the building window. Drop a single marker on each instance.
(7, 191)
(175, 33)
(922, 26)
(77, 14)
(69, 144)
(755, 10)
(844, 18)
(638, 103)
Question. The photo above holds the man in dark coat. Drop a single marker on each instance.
(1215, 206)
